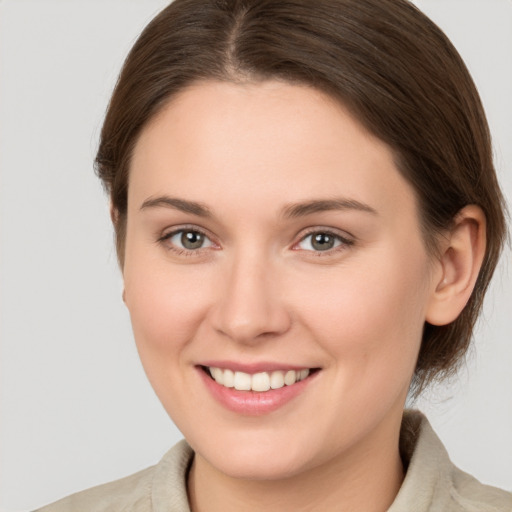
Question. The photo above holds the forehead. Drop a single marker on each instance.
(224, 140)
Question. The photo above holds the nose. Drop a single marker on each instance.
(250, 305)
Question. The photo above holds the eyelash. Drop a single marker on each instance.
(344, 242)
(166, 237)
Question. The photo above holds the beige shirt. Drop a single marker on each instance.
(432, 483)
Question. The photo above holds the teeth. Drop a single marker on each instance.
(228, 379)
(290, 377)
(277, 380)
(261, 382)
(217, 375)
(303, 374)
(242, 381)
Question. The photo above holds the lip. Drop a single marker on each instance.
(254, 403)
(251, 368)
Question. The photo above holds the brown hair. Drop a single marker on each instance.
(383, 59)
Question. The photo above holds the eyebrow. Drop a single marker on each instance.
(323, 205)
(178, 204)
(290, 211)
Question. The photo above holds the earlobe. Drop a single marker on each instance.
(461, 258)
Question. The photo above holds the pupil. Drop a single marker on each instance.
(192, 239)
(323, 242)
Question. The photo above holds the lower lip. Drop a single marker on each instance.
(254, 403)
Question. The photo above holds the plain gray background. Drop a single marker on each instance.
(76, 409)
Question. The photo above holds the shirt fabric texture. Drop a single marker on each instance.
(432, 482)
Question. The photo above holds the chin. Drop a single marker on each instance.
(256, 459)
(261, 468)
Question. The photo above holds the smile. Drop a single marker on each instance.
(260, 382)
(255, 392)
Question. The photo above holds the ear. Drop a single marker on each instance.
(114, 214)
(458, 266)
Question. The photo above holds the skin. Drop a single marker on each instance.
(257, 290)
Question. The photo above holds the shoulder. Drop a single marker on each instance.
(130, 493)
(471, 495)
(433, 483)
(162, 483)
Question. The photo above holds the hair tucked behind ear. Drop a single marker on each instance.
(383, 59)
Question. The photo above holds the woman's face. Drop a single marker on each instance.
(271, 239)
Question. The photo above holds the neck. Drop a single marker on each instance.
(367, 478)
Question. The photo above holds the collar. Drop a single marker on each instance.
(432, 482)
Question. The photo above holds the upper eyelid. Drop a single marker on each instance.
(344, 235)
(165, 241)
(346, 240)
(169, 232)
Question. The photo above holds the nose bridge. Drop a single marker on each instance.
(250, 302)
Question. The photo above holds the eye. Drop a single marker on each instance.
(187, 239)
(321, 241)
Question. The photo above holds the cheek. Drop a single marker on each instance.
(370, 316)
(166, 309)
(166, 305)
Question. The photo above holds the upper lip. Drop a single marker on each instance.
(256, 367)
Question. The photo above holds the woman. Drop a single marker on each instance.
(307, 218)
